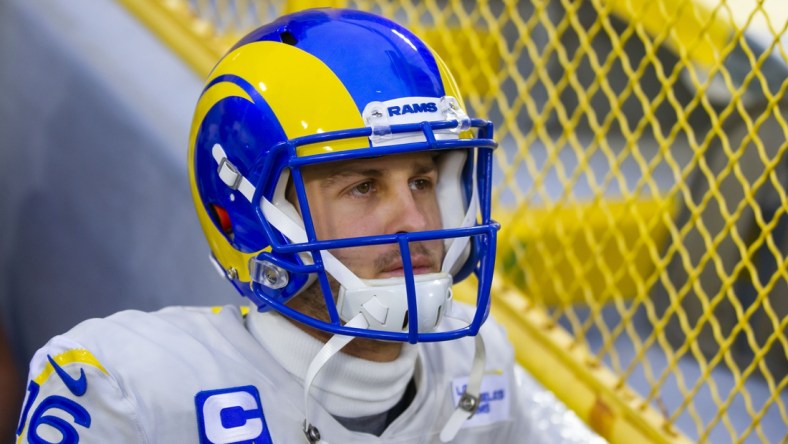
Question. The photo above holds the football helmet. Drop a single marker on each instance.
(327, 85)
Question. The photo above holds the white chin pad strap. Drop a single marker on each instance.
(471, 398)
(331, 347)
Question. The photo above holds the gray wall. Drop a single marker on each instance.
(95, 210)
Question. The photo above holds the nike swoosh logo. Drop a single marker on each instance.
(76, 386)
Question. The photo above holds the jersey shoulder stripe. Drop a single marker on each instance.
(57, 363)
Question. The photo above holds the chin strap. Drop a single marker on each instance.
(332, 347)
(469, 401)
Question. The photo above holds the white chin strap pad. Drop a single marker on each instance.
(384, 302)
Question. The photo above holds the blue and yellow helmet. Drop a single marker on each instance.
(320, 86)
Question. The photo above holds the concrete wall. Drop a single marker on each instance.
(95, 210)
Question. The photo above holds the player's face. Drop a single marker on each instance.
(383, 195)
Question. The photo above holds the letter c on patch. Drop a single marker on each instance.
(231, 416)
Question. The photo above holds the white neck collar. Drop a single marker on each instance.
(348, 386)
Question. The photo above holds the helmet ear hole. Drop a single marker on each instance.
(222, 217)
(288, 38)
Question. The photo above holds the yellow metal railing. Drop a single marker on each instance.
(641, 182)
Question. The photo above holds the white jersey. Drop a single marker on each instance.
(196, 375)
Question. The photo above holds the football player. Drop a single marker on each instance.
(343, 190)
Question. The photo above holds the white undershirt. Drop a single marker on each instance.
(347, 386)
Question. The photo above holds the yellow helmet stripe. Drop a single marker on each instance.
(309, 99)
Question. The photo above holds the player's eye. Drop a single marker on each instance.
(420, 184)
(362, 189)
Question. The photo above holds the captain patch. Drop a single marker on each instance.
(231, 415)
